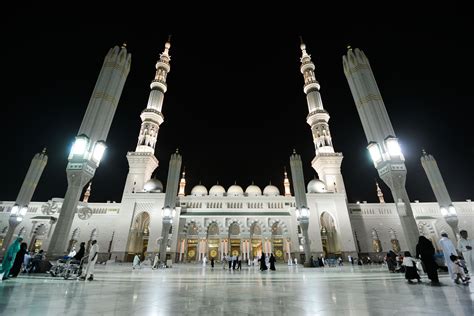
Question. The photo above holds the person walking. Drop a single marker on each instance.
(156, 261)
(212, 262)
(20, 256)
(425, 251)
(263, 265)
(9, 258)
(465, 245)
(224, 261)
(136, 262)
(448, 250)
(272, 262)
(93, 254)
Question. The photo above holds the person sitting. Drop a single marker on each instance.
(36, 262)
(411, 271)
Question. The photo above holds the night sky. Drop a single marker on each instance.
(235, 105)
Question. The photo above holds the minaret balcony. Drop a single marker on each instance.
(311, 86)
(158, 84)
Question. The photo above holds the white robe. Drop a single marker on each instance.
(204, 260)
(466, 253)
(93, 254)
(448, 249)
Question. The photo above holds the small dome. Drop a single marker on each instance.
(316, 186)
(253, 190)
(153, 185)
(235, 190)
(271, 190)
(199, 190)
(217, 190)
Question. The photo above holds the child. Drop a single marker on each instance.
(410, 268)
(458, 270)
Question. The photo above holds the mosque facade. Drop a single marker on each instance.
(239, 220)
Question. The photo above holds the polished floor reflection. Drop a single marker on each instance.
(193, 290)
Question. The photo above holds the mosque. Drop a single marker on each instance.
(244, 220)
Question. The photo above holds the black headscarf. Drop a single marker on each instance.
(424, 248)
(81, 251)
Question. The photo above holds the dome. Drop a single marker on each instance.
(253, 190)
(153, 185)
(316, 186)
(199, 190)
(235, 190)
(271, 190)
(217, 190)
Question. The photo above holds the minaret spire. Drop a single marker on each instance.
(327, 162)
(87, 194)
(286, 183)
(379, 193)
(182, 182)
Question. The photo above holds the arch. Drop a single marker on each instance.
(213, 229)
(329, 235)
(279, 223)
(138, 236)
(234, 229)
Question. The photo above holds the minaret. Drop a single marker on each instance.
(327, 162)
(182, 183)
(33, 175)
(87, 194)
(142, 162)
(286, 184)
(379, 193)
(440, 191)
(89, 146)
(383, 144)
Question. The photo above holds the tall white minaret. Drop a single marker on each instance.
(327, 162)
(182, 183)
(142, 162)
(286, 184)
(87, 194)
(440, 191)
(379, 193)
(383, 144)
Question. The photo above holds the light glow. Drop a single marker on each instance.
(23, 211)
(374, 151)
(451, 210)
(393, 147)
(444, 211)
(99, 150)
(80, 146)
(15, 210)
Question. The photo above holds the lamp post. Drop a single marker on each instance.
(168, 214)
(302, 215)
(451, 217)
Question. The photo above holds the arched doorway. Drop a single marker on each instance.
(192, 241)
(256, 238)
(277, 241)
(138, 240)
(234, 239)
(329, 236)
(39, 234)
(213, 240)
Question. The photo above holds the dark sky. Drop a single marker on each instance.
(235, 105)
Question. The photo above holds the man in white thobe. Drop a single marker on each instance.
(465, 245)
(93, 254)
(448, 250)
(204, 260)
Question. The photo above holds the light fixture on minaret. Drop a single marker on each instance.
(87, 194)
(142, 162)
(327, 162)
(182, 183)
(379, 193)
(286, 183)
(383, 145)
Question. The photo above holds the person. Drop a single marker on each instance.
(425, 251)
(458, 270)
(255, 261)
(212, 262)
(36, 262)
(156, 261)
(340, 261)
(448, 249)
(72, 253)
(272, 262)
(234, 262)
(311, 261)
(369, 261)
(349, 258)
(465, 246)
(239, 263)
(204, 260)
(391, 261)
(93, 254)
(20, 256)
(296, 261)
(80, 254)
(136, 262)
(290, 261)
(410, 268)
(224, 261)
(26, 261)
(9, 258)
(263, 266)
(229, 260)
(320, 262)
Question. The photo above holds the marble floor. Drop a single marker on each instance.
(193, 290)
